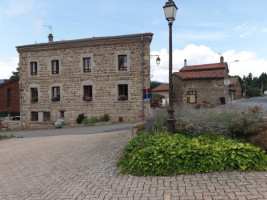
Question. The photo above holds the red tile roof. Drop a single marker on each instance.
(233, 80)
(162, 87)
(200, 74)
(214, 66)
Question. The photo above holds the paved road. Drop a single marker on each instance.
(70, 131)
(250, 102)
(83, 167)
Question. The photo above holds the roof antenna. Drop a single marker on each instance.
(50, 27)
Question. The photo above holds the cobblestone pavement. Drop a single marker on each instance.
(84, 167)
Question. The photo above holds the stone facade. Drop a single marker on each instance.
(207, 90)
(10, 96)
(104, 79)
(235, 89)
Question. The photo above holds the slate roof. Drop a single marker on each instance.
(162, 87)
(88, 39)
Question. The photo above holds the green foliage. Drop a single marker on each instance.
(253, 91)
(90, 120)
(230, 123)
(80, 118)
(157, 96)
(104, 118)
(179, 154)
(154, 84)
(255, 86)
(158, 125)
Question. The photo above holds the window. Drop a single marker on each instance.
(55, 94)
(62, 114)
(33, 68)
(87, 93)
(123, 92)
(9, 98)
(34, 116)
(87, 65)
(46, 116)
(191, 97)
(34, 94)
(122, 62)
(55, 66)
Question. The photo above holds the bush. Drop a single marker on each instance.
(231, 123)
(90, 120)
(104, 118)
(259, 140)
(80, 118)
(179, 154)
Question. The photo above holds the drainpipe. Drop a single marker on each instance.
(20, 103)
(143, 103)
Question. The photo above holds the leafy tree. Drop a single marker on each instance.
(154, 84)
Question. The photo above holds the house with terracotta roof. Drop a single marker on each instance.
(162, 90)
(235, 89)
(201, 84)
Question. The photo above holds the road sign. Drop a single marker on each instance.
(147, 94)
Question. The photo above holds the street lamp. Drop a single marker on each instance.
(157, 60)
(170, 10)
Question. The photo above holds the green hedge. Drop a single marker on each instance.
(180, 154)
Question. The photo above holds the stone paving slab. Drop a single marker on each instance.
(83, 167)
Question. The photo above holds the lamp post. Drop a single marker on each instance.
(157, 59)
(170, 10)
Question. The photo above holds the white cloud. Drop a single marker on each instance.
(7, 67)
(18, 7)
(264, 30)
(248, 61)
(245, 29)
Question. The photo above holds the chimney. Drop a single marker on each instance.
(185, 62)
(221, 59)
(50, 38)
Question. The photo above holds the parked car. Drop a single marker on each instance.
(16, 118)
(3, 119)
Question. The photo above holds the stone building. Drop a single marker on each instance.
(94, 76)
(10, 96)
(235, 89)
(201, 84)
(162, 90)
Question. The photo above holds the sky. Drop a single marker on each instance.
(203, 29)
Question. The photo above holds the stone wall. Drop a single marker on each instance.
(208, 90)
(13, 125)
(104, 79)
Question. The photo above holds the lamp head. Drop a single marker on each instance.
(170, 10)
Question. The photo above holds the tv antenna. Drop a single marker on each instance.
(50, 28)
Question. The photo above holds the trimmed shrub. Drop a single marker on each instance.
(80, 118)
(180, 154)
